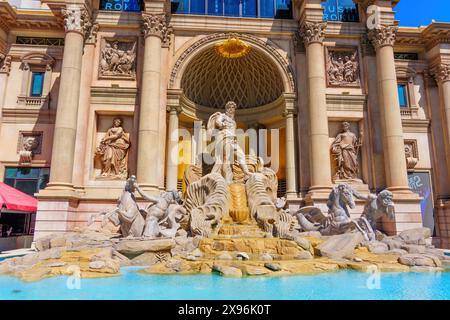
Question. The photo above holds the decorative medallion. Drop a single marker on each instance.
(232, 48)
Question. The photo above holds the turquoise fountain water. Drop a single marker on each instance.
(134, 285)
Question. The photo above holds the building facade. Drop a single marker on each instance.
(331, 91)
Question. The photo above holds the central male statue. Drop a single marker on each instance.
(223, 127)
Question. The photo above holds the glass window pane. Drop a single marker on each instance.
(11, 172)
(28, 173)
(283, 9)
(44, 171)
(232, 8)
(198, 7)
(9, 182)
(131, 5)
(249, 8)
(27, 186)
(43, 181)
(402, 96)
(348, 11)
(267, 8)
(215, 7)
(180, 6)
(37, 82)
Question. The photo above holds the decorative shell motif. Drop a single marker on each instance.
(233, 48)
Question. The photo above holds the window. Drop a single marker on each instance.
(279, 9)
(403, 95)
(37, 84)
(27, 180)
(39, 41)
(121, 5)
(340, 10)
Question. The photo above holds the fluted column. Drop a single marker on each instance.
(442, 76)
(313, 34)
(291, 177)
(76, 23)
(383, 40)
(172, 149)
(155, 32)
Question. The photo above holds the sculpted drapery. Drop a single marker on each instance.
(345, 150)
(113, 150)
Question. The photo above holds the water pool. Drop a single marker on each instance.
(328, 286)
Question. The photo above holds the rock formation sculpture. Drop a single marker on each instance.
(345, 149)
(113, 152)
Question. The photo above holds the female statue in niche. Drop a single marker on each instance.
(113, 151)
(345, 149)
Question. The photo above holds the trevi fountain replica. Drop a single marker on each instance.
(230, 221)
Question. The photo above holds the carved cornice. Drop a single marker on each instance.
(156, 25)
(383, 36)
(5, 63)
(312, 32)
(441, 73)
(76, 19)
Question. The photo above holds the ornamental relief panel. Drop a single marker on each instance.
(342, 67)
(118, 59)
(28, 145)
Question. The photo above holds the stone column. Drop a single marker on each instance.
(383, 40)
(313, 34)
(442, 76)
(76, 23)
(155, 32)
(172, 149)
(291, 177)
(84, 107)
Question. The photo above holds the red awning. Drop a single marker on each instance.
(14, 199)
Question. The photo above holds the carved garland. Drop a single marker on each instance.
(269, 46)
(383, 36)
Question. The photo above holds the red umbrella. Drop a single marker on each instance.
(14, 199)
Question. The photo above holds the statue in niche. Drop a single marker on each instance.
(29, 146)
(345, 149)
(113, 152)
(342, 68)
(118, 59)
(223, 127)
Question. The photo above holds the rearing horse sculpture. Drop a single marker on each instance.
(338, 220)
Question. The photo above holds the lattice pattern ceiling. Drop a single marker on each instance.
(211, 80)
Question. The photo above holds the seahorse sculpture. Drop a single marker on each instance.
(206, 203)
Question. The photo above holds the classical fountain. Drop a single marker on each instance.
(230, 221)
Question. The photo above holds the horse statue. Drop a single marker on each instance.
(338, 220)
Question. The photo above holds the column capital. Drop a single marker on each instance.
(441, 73)
(156, 25)
(289, 112)
(5, 63)
(174, 109)
(76, 19)
(299, 46)
(383, 36)
(312, 32)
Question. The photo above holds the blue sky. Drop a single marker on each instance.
(420, 12)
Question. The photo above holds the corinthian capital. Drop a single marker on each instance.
(156, 25)
(312, 32)
(383, 36)
(441, 73)
(76, 19)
